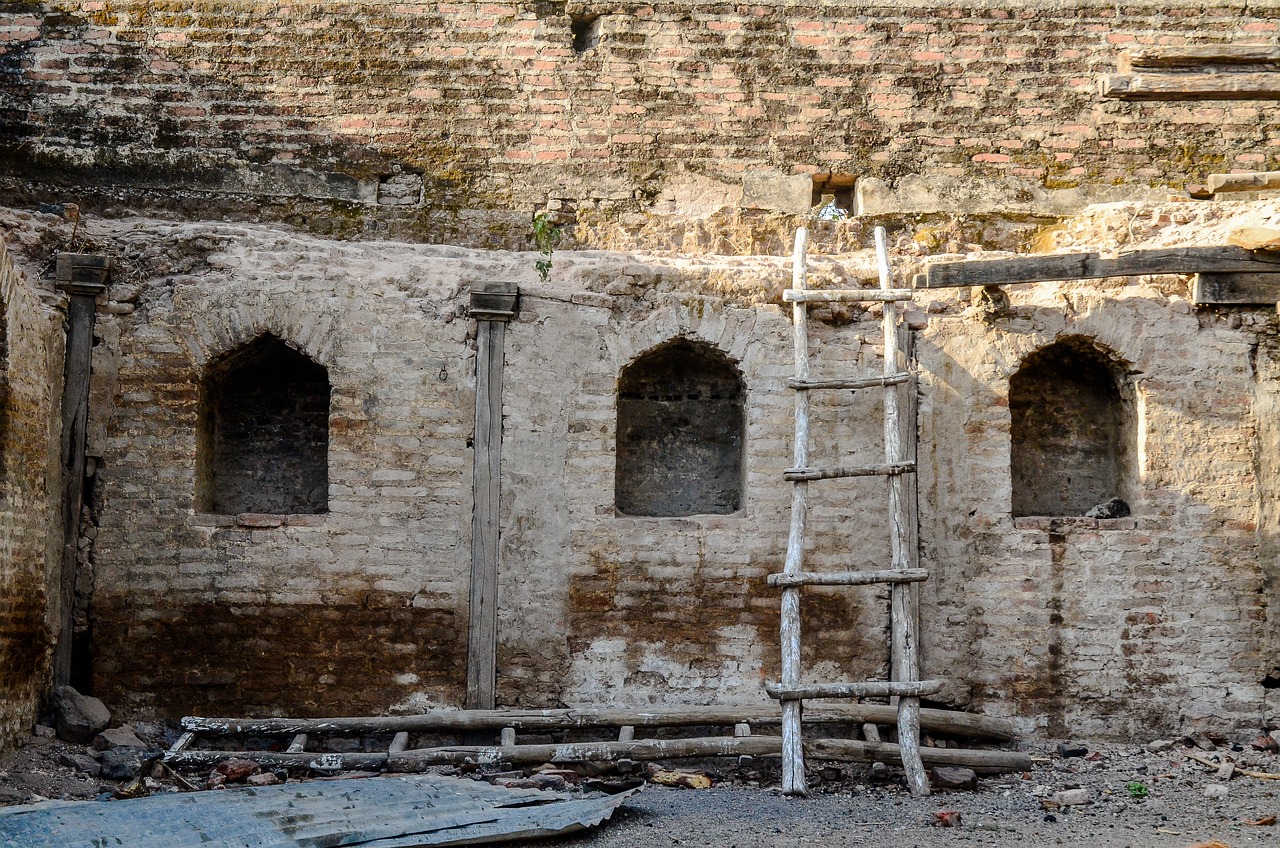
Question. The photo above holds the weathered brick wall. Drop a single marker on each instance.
(330, 115)
(30, 543)
(1077, 626)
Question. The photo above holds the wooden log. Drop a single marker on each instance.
(627, 733)
(984, 762)
(847, 578)
(1251, 181)
(837, 472)
(1234, 85)
(399, 744)
(871, 733)
(183, 742)
(1192, 55)
(588, 752)
(741, 729)
(507, 736)
(797, 295)
(859, 383)
(793, 777)
(298, 745)
(1087, 266)
(946, 722)
(1242, 289)
(855, 689)
(279, 759)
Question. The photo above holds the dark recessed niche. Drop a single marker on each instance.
(586, 32)
(834, 187)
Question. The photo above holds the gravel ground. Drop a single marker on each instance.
(745, 809)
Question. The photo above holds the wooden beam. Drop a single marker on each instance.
(1235, 85)
(492, 306)
(984, 762)
(857, 689)
(943, 722)
(1196, 55)
(1239, 289)
(847, 578)
(83, 277)
(1251, 181)
(1088, 266)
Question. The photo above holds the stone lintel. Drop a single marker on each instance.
(494, 301)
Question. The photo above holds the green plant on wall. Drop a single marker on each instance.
(546, 237)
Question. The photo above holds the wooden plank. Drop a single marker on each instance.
(854, 689)
(871, 733)
(1241, 289)
(482, 626)
(298, 745)
(852, 383)
(947, 722)
(904, 661)
(847, 578)
(1250, 181)
(183, 742)
(793, 777)
(1152, 85)
(1193, 55)
(836, 472)
(794, 295)
(399, 744)
(587, 752)
(1086, 266)
(984, 762)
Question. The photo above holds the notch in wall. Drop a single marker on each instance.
(586, 31)
(400, 188)
(833, 196)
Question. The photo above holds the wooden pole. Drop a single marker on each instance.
(492, 306)
(904, 661)
(83, 276)
(793, 779)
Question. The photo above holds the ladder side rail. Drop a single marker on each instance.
(904, 659)
(793, 777)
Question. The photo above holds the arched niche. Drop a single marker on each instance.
(263, 444)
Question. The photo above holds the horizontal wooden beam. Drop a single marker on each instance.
(1198, 55)
(845, 295)
(854, 750)
(453, 721)
(836, 472)
(859, 383)
(848, 578)
(1088, 266)
(1251, 181)
(858, 689)
(1236, 85)
(1239, 289)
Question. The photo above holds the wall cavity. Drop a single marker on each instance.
(680, 431)
(1072, 431)
(264, 434)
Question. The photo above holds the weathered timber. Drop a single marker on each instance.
(1195, 55)
(1087, 266)
(859, 383)
(793, 777)
(799, 295)
(298, 744)
(492, 306)
(848, 578)
(399, 744)
(1251, 181)
(835, 472)
(587, 752)
(985, 762)
(280, 759)
(946, 722)
(855, 689)
(1243, 289)
(1234, 85)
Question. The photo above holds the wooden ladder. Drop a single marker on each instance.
(898, 382)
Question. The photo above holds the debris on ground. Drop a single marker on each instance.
(681, 779)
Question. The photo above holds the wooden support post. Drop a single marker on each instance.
(399, 743)
(507, 737)
(492, 305)
(793, 779)
(905, 661)
(626, 733)
(83, 277)
(298, 745)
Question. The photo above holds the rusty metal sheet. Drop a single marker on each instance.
(386, 812)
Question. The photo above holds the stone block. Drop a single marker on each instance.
(79, 717)
(777, 192)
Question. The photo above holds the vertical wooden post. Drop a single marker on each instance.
(793, 779)
(84, 277)
(905, 660)
(492, 305)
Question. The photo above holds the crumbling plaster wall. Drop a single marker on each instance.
(1075, 625)
(325, 115)
(30, 536)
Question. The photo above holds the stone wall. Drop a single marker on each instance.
(30, 534)
(453, 122)
(1074, 625)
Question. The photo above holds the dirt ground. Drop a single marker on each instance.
(1137, 798)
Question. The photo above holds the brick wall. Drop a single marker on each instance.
(30, 539)
(321, 115)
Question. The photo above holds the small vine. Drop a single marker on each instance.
(546, 237)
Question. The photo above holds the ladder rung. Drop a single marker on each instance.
(865, 689)
(848, 578)
(796, 475)
(845, 295)
(861, 383)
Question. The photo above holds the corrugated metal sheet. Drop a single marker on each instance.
(384, 812)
